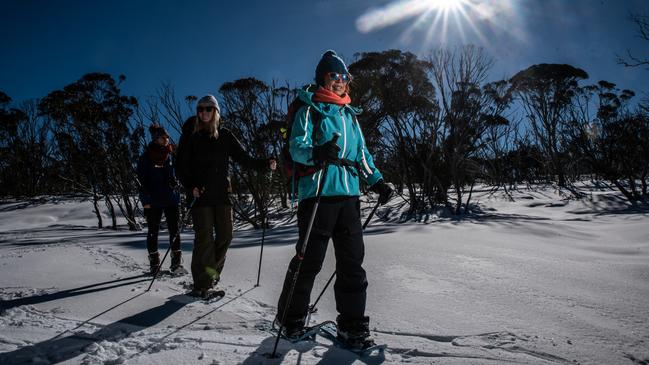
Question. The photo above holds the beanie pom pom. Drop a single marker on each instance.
(153, 128)
(157, 130)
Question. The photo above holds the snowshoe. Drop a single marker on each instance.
(207, 294)
(295, 331)
(161, 273)
(360, 346)
(178, 271)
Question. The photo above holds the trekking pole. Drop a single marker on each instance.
(183, 221)
(369, 218)
(264, 223)
(312, 307)
(300, 255)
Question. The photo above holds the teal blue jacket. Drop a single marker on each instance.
(340, 180)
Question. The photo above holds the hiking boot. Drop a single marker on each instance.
(292, 330)
(355, 333)
(154, 261)
(176, 267)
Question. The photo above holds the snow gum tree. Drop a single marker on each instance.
(399, 121)
(249, 107)
(95, 143)
(427, 120)
(26, 165)
(547, 92)
(612, 141)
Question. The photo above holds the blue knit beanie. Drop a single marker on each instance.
(330, 62)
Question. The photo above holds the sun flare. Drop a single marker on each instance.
(444, 21)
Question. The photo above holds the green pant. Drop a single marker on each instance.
(213, 234)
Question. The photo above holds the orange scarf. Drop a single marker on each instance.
(323, 95)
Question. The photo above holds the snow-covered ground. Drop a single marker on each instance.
(537, 280)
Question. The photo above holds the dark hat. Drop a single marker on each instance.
(330, 62)
(157, 131)
(209, 100)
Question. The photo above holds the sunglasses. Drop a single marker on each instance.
(334, 76)
(208, 109)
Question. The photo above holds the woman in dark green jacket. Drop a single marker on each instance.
(203, 167)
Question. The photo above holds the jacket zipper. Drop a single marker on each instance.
(342, 115)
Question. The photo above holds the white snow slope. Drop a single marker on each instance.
(537, 280)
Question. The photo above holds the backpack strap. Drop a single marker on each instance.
(298, 169)
(316, 118)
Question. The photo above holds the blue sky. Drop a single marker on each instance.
(198, 45)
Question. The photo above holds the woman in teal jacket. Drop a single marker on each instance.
(328, 111)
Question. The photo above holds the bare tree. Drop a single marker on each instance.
(165, 108)
(36, 136)
(499, 138)
(468, 108)
(642, 24)
(170, 109)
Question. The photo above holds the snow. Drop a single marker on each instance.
(542, 279)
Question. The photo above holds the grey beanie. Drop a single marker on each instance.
(209, 100)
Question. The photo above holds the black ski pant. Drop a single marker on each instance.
(153, 218)
(338, 218)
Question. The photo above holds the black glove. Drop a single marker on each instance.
(384, 190)
(327, 152)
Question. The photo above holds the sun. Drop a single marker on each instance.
(444, 5)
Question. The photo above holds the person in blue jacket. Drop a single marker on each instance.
(159, 194)
(338, 216)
